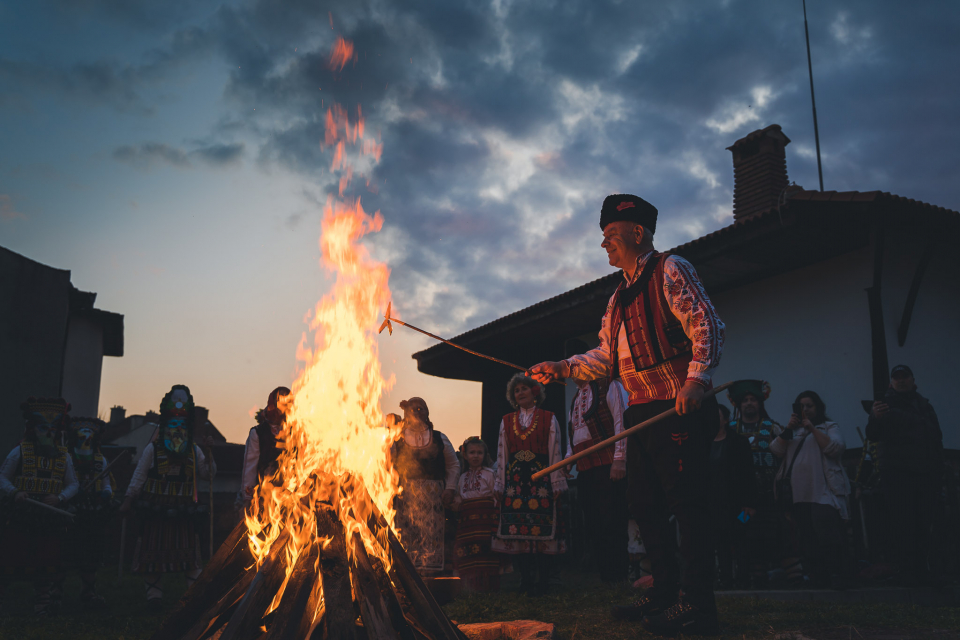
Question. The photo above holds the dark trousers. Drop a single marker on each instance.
(911, 501)
(668, 473)
(604, 507)
(822, 538)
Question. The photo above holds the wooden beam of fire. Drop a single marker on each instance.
(335, 590)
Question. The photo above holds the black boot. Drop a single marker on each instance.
(685, 617)
(651, 603)
(524, 562)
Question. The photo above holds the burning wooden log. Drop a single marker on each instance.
(245, 622)
(220, 575)
(336, 590)
(335, 573)
(301, 597)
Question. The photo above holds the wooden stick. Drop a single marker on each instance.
(294, 614)
(227, 565)
(389, 590)
(609, 442)
(105, 471)
(60, 512)
(335, 574)
(373, 610)
(245, 622)
(221, 609)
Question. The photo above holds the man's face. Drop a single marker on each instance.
(903, 382)
(175, 435)
(621, 242)
(750, 407)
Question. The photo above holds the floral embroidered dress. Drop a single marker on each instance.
(530, 521)
(477, 566)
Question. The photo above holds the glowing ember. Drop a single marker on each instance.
(335, 430)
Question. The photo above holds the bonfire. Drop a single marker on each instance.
(316, 555)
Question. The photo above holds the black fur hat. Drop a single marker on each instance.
(629, 208)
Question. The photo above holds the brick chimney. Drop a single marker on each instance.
(759, 171)
(117, 414)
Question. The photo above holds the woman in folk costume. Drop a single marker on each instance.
(261, 452)
(428, 468)
(529, 515)
(477, 565)
(31, 539)
(165, 481)
(92, 504)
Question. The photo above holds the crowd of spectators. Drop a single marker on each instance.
(781, 496)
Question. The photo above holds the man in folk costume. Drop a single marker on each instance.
(165, 481)
(31, 540)
(763, 531)
(92, 504)
(661, 335)
(261, 452)
(596, 414)
(530, 518)
(429, 470)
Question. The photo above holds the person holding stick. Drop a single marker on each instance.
(662, 337)
(37, 477)
(93, 505)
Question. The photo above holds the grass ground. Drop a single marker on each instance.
(578, 608)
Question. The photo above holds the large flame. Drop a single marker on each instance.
(334, 428)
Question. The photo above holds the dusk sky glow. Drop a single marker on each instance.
(170, 155)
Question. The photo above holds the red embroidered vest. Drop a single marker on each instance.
(536, 438)
(599, 421)
(660, 351)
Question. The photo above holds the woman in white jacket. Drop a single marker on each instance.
(811, 447)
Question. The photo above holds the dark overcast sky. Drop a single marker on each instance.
(169, 154)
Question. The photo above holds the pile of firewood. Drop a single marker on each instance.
(336, 591)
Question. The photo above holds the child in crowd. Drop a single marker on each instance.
(477, 566)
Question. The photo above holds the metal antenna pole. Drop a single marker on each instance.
(813, 100)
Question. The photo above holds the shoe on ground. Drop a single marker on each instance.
(683, 618)
(647, 605)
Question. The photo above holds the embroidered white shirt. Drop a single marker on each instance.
(557, 480)
(616, 401)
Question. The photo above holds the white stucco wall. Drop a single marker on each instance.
(82, 364)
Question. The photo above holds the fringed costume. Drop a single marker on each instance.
(93, 505)
(164, 488)
(32, 538)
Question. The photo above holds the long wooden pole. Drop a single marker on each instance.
(620, 436)
(105, 471)
(65, 514)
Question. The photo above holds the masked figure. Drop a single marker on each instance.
(429, 471)
(260, 452)
(92, 504)
(38, 469)
(164, 490)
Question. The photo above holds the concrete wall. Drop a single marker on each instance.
(82, 363)
(810, 329)
(34, 306)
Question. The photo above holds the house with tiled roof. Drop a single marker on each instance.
(819, 290)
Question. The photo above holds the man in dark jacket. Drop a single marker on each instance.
(910, 443)
(733, 500)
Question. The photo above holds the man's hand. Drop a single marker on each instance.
(880, 407)
(547, 372)
(689, 398)
(618, 470)
(127, 504)
(566, 471)
(20, 496)
(51, 500)
(447, 497)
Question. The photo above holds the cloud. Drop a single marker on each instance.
(8, 212)
(149, 154)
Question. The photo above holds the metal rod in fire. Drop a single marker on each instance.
(388, 324)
